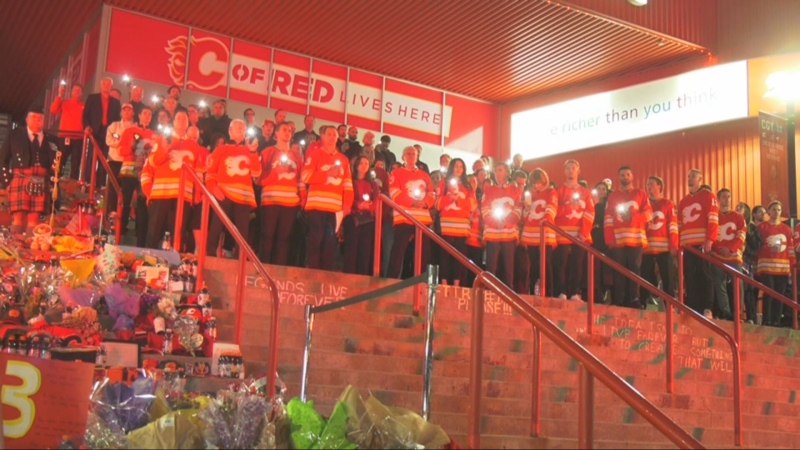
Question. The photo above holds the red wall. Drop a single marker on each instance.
(726, 153)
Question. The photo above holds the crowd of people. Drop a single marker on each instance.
(298, 195)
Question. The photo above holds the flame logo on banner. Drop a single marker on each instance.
(176, 49)
(212, 63)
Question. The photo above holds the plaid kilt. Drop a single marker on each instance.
(19, 198)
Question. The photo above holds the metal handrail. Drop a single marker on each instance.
(97, 155)
(431, 277)
(671, 302)
(737, 295)
(245, 252)
(590, 367)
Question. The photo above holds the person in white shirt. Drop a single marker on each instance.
(113, 137)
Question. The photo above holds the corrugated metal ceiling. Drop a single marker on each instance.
(497, 51)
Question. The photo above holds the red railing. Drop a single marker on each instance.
(590, 366)
(670, 303)
(97, 156)
(737, 299)
(245, 253)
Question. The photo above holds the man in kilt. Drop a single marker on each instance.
(26, 166)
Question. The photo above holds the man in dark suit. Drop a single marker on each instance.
(100, 111)
(26, 165)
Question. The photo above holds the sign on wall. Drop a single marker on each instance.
(229, 68)
(704, 96)
(773, 140)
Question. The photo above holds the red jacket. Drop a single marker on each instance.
(627, 228)
(732, 233)
(501, 208)
(330, 183)
(360, 189)
(543, 205)
(662, 231)
(698, 216)
(575, 213)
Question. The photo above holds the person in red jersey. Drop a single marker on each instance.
(173, 149)
(411, 188)
(540, 203)
(574, 215)
(698, 219)
(501, 211)
(359, 226)
(728, 249)
(627, 213)
(282, 193)
(231, 168)
(330, 192)
(135, 147)
(662, 239)
(775, 257)
(455, 204)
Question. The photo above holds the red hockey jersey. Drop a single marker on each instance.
(167, 160)
(627, 215)
(232, 167)
(330, 182)
(662, 230)
(698, 217)
(542, 207)
(776, 254)
(407, 186)
(732, 233)
(575, 213)
(455, 210)
(501, 208)
(280, 178)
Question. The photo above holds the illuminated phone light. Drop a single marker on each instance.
(498, 213)
(338, 163)
(620, 209)
(202, 103)
(576, 196)
(372, 172)
(284, 159)
(155, 99)
(594, 191)
(126, 78)
(365, 197)
(417, 194)
(63, 83)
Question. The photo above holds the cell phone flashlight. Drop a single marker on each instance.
(115, 135)
(453, 182)
(337, 163)
(303, 142)
(284, 159)
(576, 196)
(202, 103)
(251, 131)
(620, 209)
(417, 194)
(126, 78)
(155, 99)
(63, 83)
(365, 197)
(498, 213)
(372, 172)
(594, 191)
(167, 131)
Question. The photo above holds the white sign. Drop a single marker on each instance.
(704, 96)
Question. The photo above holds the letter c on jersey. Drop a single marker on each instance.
(691, 213)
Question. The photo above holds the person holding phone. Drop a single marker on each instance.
(775, 257)
(359, 226)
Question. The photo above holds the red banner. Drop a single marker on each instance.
(473, 125)
(364, 96)
(774, 160)
(147, 49)
(412, 111)
(209, 56)
(250, 73)
(328, 85)
(290, 84)
(43, 400)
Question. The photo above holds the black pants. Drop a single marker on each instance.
(569, 267)
(475, 254)
(403, 234)
(773, 309)
(521, 270)
(649, 264)
(240, 216)
(359, 246)
(73, 150)
(298, 241)
(450, 269)
(141, 220)
(534, 262)
(100, 179)
(501, 253)
(699, 287)
(276, 227)
(111, 201)
(322, 240)
(626, 292)
(129, 185)
(723, 299)
(161, 218)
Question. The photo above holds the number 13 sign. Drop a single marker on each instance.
(43, 400)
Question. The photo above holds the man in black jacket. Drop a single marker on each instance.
(100, 111)
(219, 122)
(26, 165)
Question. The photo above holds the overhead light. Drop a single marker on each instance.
(637, 2)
